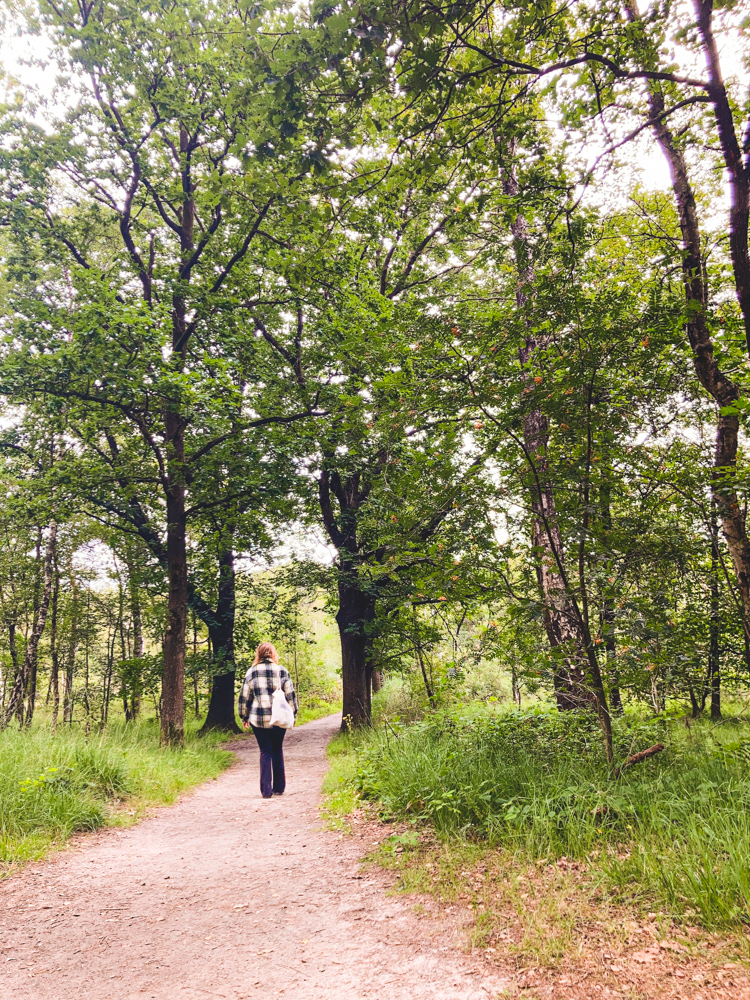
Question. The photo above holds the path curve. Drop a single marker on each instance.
(225, 894)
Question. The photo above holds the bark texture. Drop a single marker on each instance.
(356, 611)
(173, 674)
(356, 605)
(561, 622)
(221, 710)
(572, 689)
(738, 168)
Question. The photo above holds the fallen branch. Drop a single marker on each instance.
(636, 758)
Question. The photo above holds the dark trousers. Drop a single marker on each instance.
(271, 757)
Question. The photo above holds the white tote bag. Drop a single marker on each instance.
(282, 713)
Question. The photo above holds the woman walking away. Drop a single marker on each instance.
(264, 677)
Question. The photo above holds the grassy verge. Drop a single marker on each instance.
(55, 784)
(672, 834)
(312, 708)
(552, 915)
(340, 785)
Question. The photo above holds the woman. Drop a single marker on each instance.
(261, 680)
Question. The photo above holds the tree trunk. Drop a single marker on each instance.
(515, 684)
(71, 654)
(738, 169)
(120, 630)
(173, 674)
(32, 646)
(695, 708)
(32, 666)
(577, 677)
(356, 610)
(572, 689)
(128, 696)
(54, 651)
(135, 614)
(194, 666)
(107, 682)
(221, 709)
(723, 390)
(561, 623)
(714, 653)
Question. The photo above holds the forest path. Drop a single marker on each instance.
(226, 894)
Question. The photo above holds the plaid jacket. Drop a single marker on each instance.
(257, 691)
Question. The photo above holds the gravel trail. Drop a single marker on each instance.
(226, 894)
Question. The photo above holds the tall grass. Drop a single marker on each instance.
(675, 828)
(54, 784)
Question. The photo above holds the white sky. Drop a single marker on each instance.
(641, 160)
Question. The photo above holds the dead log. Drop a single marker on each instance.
(638, 757)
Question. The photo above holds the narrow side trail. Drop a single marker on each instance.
(225, 894)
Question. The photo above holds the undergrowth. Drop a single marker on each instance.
(673, 830)
(54, 784)
(317, 707)
(340, 785)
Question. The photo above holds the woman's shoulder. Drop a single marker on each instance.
(264, 668)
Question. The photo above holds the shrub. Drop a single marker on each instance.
(677, 826)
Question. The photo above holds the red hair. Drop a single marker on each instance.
(266, 651)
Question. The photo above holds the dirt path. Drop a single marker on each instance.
(225, 894)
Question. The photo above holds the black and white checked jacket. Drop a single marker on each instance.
(257, 693)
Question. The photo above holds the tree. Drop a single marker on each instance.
(366, 333)
(624, 81)
(123, 272)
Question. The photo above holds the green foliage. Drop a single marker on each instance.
(284, 606)
(54, 784)
(339, 784)
(402, 699)
(674, 828)
(350, 252)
